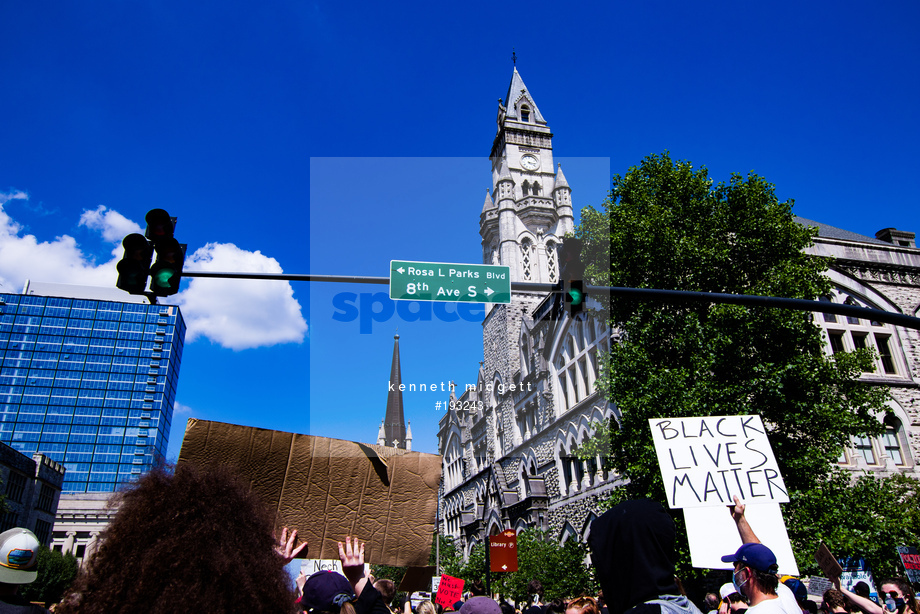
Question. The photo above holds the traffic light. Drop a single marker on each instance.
(574, 297)
(166, 272)
(159, 225)
(571, 273)
(134, 267)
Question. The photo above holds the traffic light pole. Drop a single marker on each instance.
(639, 294)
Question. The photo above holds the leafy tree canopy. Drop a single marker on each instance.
(666, 225)
(56, 572)
(559, 567)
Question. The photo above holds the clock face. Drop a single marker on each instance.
(529, 162)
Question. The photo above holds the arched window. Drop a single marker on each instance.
(552, 261)
(525, 187)
(527, 254)
(536, 188)
(525, 113)
(576, 362)
(894, 442)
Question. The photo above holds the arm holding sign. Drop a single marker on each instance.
(352, 558)
(285, 546)
(866, 605)
(369, 600)
(744, 529)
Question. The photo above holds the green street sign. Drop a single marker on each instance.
(440, 281)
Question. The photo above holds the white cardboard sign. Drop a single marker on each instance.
(710, 460)
(712, 534)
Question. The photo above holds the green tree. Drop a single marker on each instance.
(665, 225)
(559, 567)
(56, 572)
(868, 516)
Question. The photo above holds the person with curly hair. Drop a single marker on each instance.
(195, 540)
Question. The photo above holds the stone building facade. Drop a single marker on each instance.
(881, 272)
(509, 443)
(81, 517)
(32, 489)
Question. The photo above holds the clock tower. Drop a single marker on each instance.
(529, 209)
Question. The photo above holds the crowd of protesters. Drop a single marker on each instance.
(196, 540)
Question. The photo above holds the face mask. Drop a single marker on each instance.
(735, 581)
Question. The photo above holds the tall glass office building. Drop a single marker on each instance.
(88, 378)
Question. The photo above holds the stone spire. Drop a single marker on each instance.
(517, 96)
(394, 424)
(489, 204)
(381, 435)
(560, 179)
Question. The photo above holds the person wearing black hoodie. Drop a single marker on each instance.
(632, 549)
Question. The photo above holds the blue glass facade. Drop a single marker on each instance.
(89, 383)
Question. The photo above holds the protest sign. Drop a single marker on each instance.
(330, 489)
(712, 533)
(450, 591)
(911, 560)
(418, 597)
(416, 579)
(707, 461)
(311, 566)
(849, 579)
(827, 562)
(817, 586)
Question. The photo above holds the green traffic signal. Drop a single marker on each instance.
(576, 296)
(166, 272)
(162, 277)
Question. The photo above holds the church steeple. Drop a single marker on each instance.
(531, 208)
(393, 429)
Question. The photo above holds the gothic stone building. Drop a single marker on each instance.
(509, 445)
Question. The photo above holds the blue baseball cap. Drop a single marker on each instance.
(326, 591)
(755, 556)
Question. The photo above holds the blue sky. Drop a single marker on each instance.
(332, 137)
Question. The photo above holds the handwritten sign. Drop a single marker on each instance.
(817, 586)
(311, 566)
(710, 460)
(450, 590)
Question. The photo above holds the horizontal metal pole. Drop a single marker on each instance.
(647, 294)
(345, 279)
(644, 294)
(355, 279)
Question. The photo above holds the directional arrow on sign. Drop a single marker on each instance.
(503, 551)
(442, 281)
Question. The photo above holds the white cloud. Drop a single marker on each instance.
(61, 260)
(112, 224)
(179, 408)
(239, 313)
(236, 314)
(13, 195)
